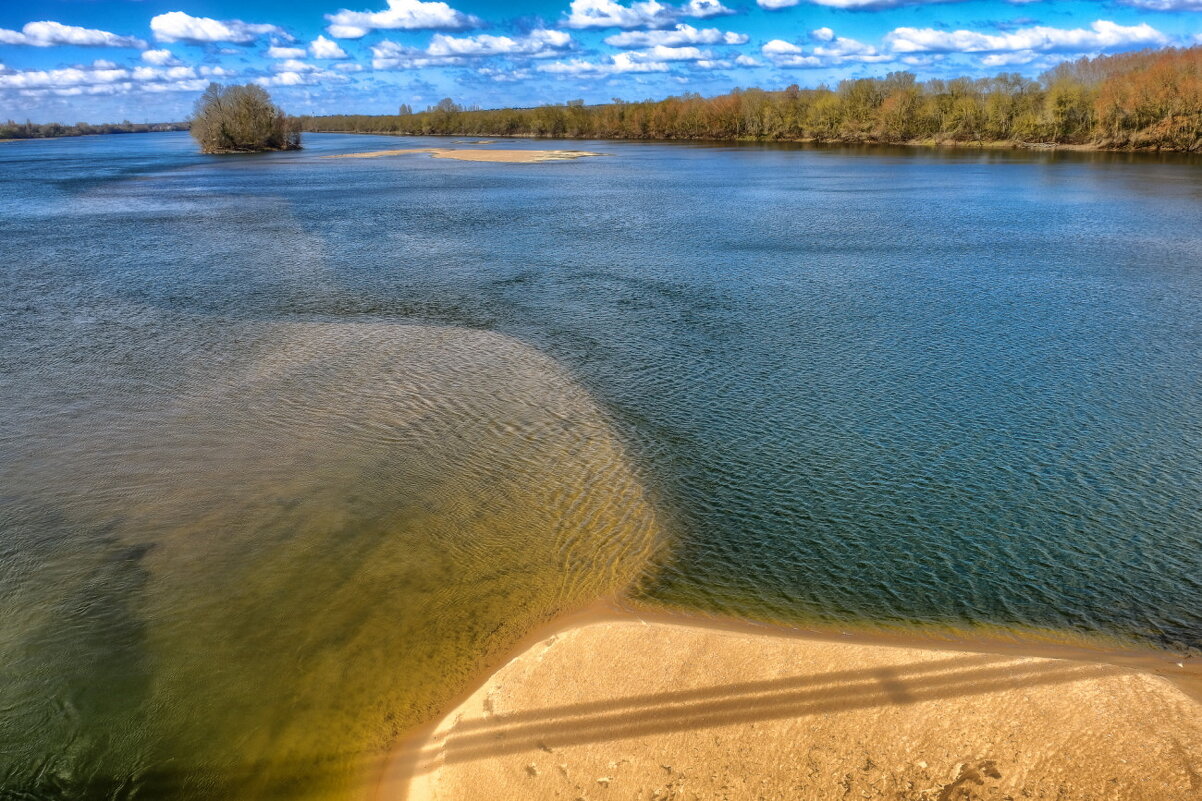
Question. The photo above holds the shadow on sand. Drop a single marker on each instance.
(747, 702)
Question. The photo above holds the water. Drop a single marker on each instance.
(292, 448)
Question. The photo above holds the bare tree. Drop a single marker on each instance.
(241, 119)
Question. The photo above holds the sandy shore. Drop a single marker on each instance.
(614, 706)
(461, 154)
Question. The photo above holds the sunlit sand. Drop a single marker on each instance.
(626, 708)
(459, 154)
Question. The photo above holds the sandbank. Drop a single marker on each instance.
(462, 154)
(621, 705)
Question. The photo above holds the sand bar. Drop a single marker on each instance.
(464, 154)
(621, 708)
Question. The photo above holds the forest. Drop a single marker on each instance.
(1143, 100)
(49, 130)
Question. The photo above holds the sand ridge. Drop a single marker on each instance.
(509, 156)
(627, 709)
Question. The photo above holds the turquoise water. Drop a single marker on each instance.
(294, 447)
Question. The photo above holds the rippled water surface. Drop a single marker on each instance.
(292, 448)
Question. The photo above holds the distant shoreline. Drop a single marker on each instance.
(930, 144)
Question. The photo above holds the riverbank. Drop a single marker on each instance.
(618, 704)
(928, 144)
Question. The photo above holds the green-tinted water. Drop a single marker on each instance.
(293, 447)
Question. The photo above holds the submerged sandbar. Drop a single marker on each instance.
(466, 154)
(619, 707)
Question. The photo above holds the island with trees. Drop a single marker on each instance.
(241, 119)
(1140, 100)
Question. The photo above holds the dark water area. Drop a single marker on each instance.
(293, 447)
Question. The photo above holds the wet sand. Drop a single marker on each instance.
(460, 154)
(611, 704)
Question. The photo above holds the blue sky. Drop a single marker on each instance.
(147, 60)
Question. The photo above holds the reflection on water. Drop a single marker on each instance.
(292, 446)
(302, 556)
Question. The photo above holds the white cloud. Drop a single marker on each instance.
(703, 9)
(400, 15)
(294, 65)
(661, 53)
(639, 14)
(388, 55)
(1167, 5)
(160, 58)
(863, 4)
(1101, 35)
(617, 64)
(680, 35)
(300, 74)
(321, 47)
(538, 43)
(275, 51)
(50, 34)
(176, 26)
(1016, 58)
(830, 50)
(779, 47)
(104, 78)
(725, 63)
(502, 75)
(348, 67)
(285, 79)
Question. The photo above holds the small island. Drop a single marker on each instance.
(241, 119)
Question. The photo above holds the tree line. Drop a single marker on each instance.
(1147, 99)
(11, 129)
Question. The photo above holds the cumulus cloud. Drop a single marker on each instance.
(408, 15)
(639, 14)
(675, 37)
(298, 73)
(176, 26)
(1014, 59)
(725, 63)
(502, 75)
(294, 65)
(538, 43)
(828, 50)
(105, 78)
(275, 51)
(1101, 35)
(160, 58)
(450, 50)
(1166, 5)
(51, 34)
(321, 47)
(618, 63)
(388, 55)
(865, 5)
(702, 9)
(661, 53)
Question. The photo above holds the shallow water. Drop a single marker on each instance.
(292, 447)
